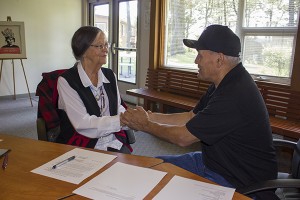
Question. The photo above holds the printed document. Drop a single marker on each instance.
(75, 170)
(180, 188)
(121, 181)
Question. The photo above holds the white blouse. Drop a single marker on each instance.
(90, 125)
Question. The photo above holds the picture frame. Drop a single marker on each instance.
(12, 40)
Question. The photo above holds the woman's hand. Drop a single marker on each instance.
(136, 119)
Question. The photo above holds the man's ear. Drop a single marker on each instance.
(220, 59)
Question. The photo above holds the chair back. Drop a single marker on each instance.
(47, 116)
(296, 161)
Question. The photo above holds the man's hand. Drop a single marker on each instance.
(136, 119)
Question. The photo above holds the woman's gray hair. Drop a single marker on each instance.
(82, 39)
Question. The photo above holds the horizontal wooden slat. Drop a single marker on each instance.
(164, 98)
(176, 82)
(285, 127)
(283, 105)
(281, 101)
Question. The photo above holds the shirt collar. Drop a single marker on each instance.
(85, 79)
(231, 74)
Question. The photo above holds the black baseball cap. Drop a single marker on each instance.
(217, 38)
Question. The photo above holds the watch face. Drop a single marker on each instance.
(3, 152)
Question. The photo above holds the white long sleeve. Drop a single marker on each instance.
(88, 125)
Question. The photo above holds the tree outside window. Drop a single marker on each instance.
(267, 29)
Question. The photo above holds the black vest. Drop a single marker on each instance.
(86, 95)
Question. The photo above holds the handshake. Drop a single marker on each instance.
(136, 119)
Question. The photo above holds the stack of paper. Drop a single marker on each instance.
(84, 165)
(182, 188)
(121, 181)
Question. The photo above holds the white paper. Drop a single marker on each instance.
(84, 165)
(180, 188)
(121, 181)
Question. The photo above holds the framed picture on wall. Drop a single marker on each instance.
(12, 40)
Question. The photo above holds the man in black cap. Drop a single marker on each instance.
(230, 120)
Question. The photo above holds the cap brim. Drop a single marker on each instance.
(190, 43)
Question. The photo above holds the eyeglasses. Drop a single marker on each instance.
(101, 46)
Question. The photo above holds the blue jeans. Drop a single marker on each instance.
(193, 162)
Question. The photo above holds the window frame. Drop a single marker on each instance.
(157, 38)
(288, 31)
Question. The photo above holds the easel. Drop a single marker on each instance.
(14, 81)
(13, 66)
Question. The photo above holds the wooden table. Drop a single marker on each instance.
(17, 182)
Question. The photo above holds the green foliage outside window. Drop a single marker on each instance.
(267, 29)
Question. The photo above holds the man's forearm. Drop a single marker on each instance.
(175, 134)
(171, 119)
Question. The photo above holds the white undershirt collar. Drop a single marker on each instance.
(85, 79)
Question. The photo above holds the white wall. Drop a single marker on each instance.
(49, 26)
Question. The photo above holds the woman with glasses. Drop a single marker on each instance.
(89, 101)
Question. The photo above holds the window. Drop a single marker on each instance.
(102, 26)
(267, 29)
(119, 19)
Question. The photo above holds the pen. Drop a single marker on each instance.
(63, 162)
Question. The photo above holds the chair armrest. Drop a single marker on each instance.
(50, 135)
(284, 143)
(270, 184)
(41, 129)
